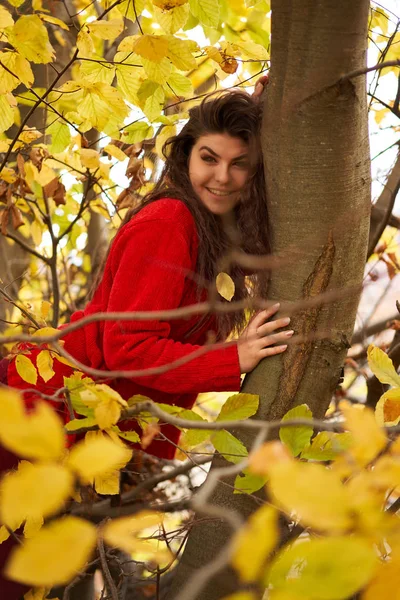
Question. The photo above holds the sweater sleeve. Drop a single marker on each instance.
(148, 265)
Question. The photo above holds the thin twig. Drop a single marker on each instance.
(106, 571)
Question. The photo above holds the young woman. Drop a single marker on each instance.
(165, 256)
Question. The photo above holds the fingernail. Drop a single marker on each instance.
(277, 305)
(283, 347)
(286, 321)
(289, 333)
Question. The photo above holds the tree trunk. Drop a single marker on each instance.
(316, 155)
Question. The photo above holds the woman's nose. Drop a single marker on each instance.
(222, 174)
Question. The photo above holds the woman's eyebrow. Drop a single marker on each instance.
(245, 155)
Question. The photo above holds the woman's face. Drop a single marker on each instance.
(219, 167)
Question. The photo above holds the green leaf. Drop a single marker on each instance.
(180, 85)
(129, 436)
(78, 423)
(60, 136)
(239, 407)
(248, 483)
(137, 132)
(296, 438)
(327, 445)
(76, 384)
(206, 11)
(324, 569)
(229, 446)
(154, 104)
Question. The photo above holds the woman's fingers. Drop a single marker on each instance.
(262, 316)
(271, 326)
(277, 338)
(272, 350)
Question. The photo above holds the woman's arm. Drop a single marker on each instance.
(149, 262)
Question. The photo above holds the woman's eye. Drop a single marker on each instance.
(208, 159)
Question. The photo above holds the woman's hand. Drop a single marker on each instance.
(261, 83)
(258, 339)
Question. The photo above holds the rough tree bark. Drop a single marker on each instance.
(316, 154)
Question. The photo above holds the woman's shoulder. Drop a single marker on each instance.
(165, 209)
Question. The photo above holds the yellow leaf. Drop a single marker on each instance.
(45, 332)
(6, 19)
(130, 9)
(108, 484)
(46, 174)
(206, 11)
(171, 20)
(315, 494)
(387, 410)
(106, 30)
(382, 366)
(385, 583)
(4, 534)
(122, 533)
(114, 151)
(180, 53)
(44, 364)
(38, 593)
(169, 4)
(53, 21)
(29, 36)
(330, 569)
(100, 104)
(129, 77)
(55, 554)
(16, 3)
(268, 455)
(19, 66)
(92, 71)
(36, 435)
(225, 286)
(90, 158)
(157, 71)
(6, 120)
(152, 47)
(32, 526)
(95, 456)
(252, 50)
(254, 542)
(29, 135)
(107, 413)
(33, 492)
(369, 439)
(26, 369)
(6, 174)
(45, 309)
(85, 44)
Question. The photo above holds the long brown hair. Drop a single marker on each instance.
(237, 114)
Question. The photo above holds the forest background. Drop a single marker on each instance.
(89, 92)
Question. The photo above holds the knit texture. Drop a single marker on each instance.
(150, 267)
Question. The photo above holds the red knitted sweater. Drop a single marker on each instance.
(148, 268)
